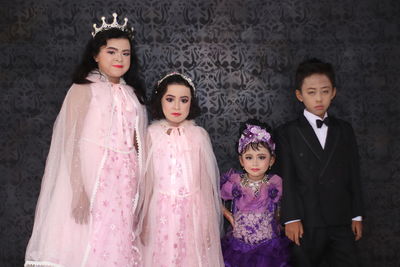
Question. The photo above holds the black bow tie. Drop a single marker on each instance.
(320, 122)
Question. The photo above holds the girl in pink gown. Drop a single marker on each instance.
(85, 212)
(181, 211)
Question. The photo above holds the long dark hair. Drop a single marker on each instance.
(92, 49)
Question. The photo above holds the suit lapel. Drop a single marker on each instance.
(310, 138)
(332, 139)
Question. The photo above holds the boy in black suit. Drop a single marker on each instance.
(318, 160)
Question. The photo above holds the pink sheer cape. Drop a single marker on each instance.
(181, 208)
(81, 137)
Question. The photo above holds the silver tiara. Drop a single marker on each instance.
(190, 82)
(114, 24)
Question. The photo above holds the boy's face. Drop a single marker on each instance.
(316, 93)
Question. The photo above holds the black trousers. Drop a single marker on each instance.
(332, 246)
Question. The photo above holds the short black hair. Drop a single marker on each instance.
(161, 89)
(313, 66)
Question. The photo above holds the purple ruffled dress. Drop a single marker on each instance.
(256, 239)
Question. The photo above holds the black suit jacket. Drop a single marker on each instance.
(320, 186)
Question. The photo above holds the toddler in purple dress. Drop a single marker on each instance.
(254, 238)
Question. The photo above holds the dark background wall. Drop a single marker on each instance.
(242, 56)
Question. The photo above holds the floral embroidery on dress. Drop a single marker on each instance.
(272, 192)
(182, 221)
(113, 205)
(179, 207)
(237, 191)
(256, 236)
(253, 228)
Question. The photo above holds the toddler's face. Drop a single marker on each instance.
(316, 94)
(256, 162)
(176, 103)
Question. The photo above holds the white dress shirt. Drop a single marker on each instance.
(320, 132)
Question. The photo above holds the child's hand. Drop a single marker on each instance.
(356, 226)
(143, 237)
(81, 211)
(294, 231)
(229, 216)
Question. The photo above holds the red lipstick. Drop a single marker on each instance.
(118, 66)
(176, 114)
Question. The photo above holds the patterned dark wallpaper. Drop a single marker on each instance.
(242, 56)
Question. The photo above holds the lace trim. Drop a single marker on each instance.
(139, 158)
(41, 263)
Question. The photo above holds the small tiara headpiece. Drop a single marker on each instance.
(255, 134)
(190, 82)
(114, 24)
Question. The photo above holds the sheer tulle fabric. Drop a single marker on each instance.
(181, 210)
(97, 154)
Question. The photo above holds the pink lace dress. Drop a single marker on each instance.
(182, 218)
(96, 154)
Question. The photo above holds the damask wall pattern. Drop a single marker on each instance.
(241, 55)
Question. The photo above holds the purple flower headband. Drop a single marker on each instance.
(255, 134)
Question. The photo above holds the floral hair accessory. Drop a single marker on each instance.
(186, 78)
(255, 134)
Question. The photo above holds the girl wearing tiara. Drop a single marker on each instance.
(182, 209)
(255, 238)
(84, 215)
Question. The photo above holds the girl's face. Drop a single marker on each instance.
(176, 103)
(114, 59)
(256, 162)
